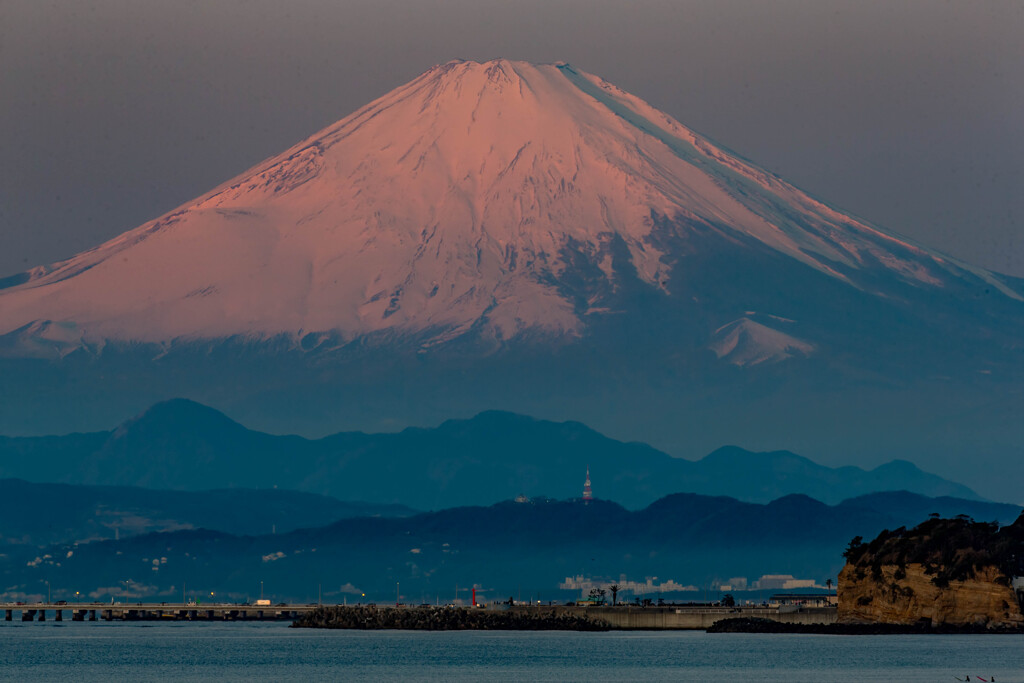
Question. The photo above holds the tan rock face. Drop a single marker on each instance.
(983, 600)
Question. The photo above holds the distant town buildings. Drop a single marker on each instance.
(804, 599)
(769, 582)
(783, 582)
(649, 585)
(736, 583)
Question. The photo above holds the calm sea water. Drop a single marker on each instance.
(271, 651)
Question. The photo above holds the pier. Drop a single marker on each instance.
(159, 611)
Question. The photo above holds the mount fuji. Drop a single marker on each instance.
(529, 238)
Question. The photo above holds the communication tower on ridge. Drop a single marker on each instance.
(588, 495)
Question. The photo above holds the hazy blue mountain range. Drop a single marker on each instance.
(64, 513)
(531, 546)
(529, 238)
(186, 446)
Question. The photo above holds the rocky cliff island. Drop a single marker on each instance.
(942, 573)
(445, 619)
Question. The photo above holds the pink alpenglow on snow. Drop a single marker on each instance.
(447, 206)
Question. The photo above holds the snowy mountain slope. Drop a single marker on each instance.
(531, 239)
(466, 201)
(746, 342)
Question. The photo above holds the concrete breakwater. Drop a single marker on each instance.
(161, 611)
(551, 617)
(686, 617)
(518, 617)
(445, 619)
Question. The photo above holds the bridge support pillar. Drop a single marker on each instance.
(42, 615)
(92, 615)
(28, 615)
(58, 615)
(8, 614)
(78, 615)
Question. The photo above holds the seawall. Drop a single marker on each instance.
(554, 617)
(446, 619)
(625, 617)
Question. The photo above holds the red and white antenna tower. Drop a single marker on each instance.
(587, 493)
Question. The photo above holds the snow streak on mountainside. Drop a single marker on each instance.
(745, 342)
(465, 200)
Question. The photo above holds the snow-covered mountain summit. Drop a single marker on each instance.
(499, 198)
(531, 239)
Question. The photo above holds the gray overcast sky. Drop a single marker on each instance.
(910, 114)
